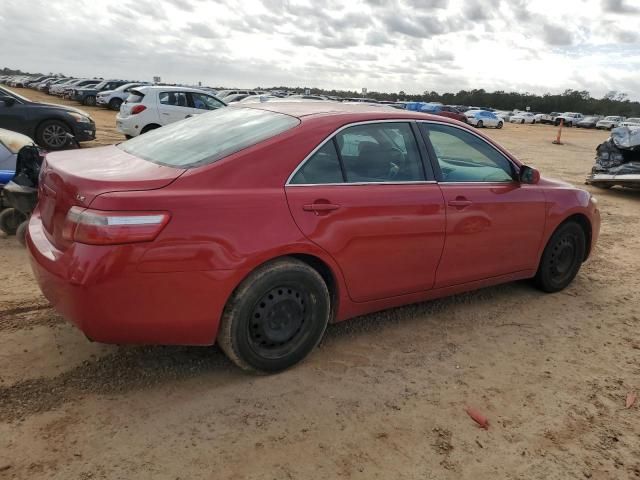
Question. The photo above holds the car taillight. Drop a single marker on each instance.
(138, 109)
(96, 227)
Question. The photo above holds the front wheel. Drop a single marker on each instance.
(499, 125)
(53, 135)
(114, 103)
(562, 258)
(480, 124)
(90, 101)
(276, 317)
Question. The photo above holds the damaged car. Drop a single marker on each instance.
(618, 160)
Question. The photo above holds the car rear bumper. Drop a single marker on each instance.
(127, 126)
(101, 291)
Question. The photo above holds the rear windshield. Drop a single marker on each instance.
(135, 96)
(206, 138)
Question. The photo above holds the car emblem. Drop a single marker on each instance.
(80, 198)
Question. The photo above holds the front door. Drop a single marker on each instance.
(494, 223)
(364, 198)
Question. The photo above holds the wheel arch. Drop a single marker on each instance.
(146, 128)
(584, 222)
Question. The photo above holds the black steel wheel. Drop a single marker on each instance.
(562, 258)
(21, 233)
(276, 317)
(10, 219)
(52, 135)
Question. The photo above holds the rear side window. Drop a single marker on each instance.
(176, 99)
(204, 139)
(380, 152)
(135, 96)
(322, 168)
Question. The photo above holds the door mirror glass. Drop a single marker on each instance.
(7, 100)
(529, 175)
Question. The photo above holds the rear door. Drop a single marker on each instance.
(366, 197)
(173, 106)
(15, 117)
(494, 223)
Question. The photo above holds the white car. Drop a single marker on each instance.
(114, 98)
(610, 122)
(484, 118)
(150, 107)
(631, 122)
(523, 117)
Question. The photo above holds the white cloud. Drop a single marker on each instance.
(391, 45)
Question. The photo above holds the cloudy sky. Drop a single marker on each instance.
(384, 45)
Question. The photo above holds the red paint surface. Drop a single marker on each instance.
(386, 245)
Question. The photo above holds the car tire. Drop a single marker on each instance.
(275, 317)
(500, 124)
(479, 124)
(52, 134)
(603, 186)
(533, 122)
(148, 128)
(522, 122)
(114, 103)
(89, 101)
(21, 233)
(10, 219)
(562, 258)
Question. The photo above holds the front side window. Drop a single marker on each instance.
(465, 157)
(205, 102)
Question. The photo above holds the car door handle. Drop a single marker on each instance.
(460, 203)
(320, 207)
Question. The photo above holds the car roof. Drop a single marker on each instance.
(348, 111)
(156, 88)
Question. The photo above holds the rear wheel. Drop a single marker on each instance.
(148, 128)
(10, 219)
(21, 233)
(499, 125)
(562, 258)
(114, 103)
(480, 124)
(276, 317)
(90, 100)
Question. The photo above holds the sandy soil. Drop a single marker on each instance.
(383, 397)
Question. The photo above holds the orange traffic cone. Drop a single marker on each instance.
(557, 140)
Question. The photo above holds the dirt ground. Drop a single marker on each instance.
(383, 397)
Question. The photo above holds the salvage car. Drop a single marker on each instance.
(114, 98)
(523, 117)
(483, 118)
(49, 124)
(609, 123)
(151, 107)
(87, 95)
(255, 226)
(588, 122)
(618, 160)
(631, 122)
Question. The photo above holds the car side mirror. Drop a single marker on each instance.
(7, 100)
(529, 175)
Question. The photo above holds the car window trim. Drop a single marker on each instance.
(331, 137)
(434, 158)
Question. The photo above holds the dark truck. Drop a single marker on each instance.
(87, 95)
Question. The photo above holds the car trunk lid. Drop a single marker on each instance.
(77, 177)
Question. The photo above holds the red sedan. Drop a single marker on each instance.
(255, 226)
